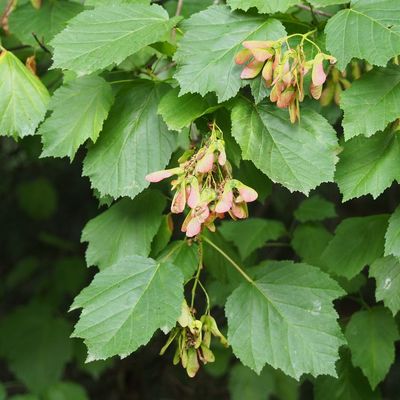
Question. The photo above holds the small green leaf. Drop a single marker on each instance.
(251, 234)
(358, 242)
(23, 99)
(30, 336)
(258, 89)
(315, 208)
(46, 21)
(309, 242)
(369, 30)
(107, 35)
(127, 228)
(179, 111)
(246, 384)
(286, 319)
(126, 303)
(392, 237)
(134, 142)
(372, 102)
(66, 391)
(79, 110)
(371, 335)
(206, 53)
(183, 255)
(300, 156)
(386, 272)
(368, 165)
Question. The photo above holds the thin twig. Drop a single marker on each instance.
(4, 18)
(179, 8)
(315, 11)
(41, 44)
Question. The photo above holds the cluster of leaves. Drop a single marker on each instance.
(136, 83)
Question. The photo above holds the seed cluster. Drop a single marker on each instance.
(193, 339)
(204, 183)
(283, 69)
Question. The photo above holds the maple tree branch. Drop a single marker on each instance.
(315, 11)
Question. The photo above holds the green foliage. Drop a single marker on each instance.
(236, 105)
(357, 242)
(86, 101)
(386, 272)
(134, 142)
(202, 67)
(288, 308)
(132, 27)
(127, 228)
(303, 155)
(368, 30)
(23, 98)
(372, 102)
(373, 351)
(134, 286)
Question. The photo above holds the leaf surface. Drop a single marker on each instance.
(298, 156)
(79, 110)
(206, 53)
(358, 242)
(127, 228)
(369, 29)
(23, 99)
(126, 303)
(107, 35)
(286, 319)
(371, 335)
(134, 142)
(368, 165)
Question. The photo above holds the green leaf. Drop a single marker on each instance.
(179, 112)
(273, 6)
(264, 7)
(24, 397)
(368, 165)
(30, 336)
(79, 110)
(50, 19)
(309, 242)
(258, 89)
(97, 3)
(315, 208)
(286, 319)
(133, 143)
(107, 35)
(386, 272)
(3, 392)
(183, 255)
(127, 228)
(163, 235)
(246, 384)
(369, 30)
(371, 335)
(23, 99)
(357, 242)
(300, 156)
(126, 303)
(206, 52)
(372, 102)
(66, 391)
(251, 234)
(392, 237)
(350, 385)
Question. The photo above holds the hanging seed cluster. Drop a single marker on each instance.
(204, 183)
(283, 69)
